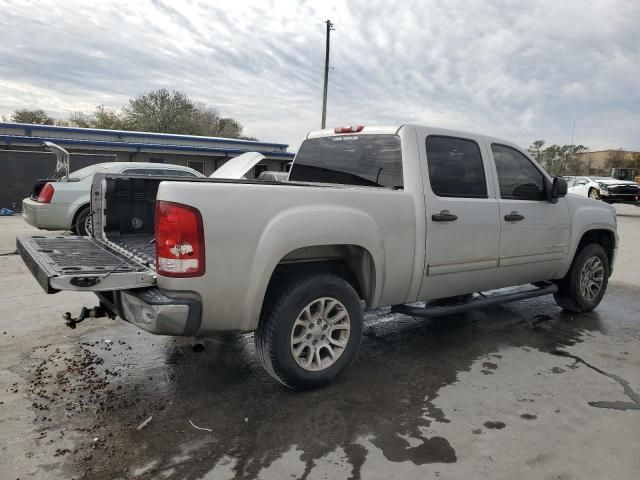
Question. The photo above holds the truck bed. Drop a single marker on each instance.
(128, 204)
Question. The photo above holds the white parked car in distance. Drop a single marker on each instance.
(62, 203)
(607, 189)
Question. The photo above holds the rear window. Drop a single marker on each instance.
(87, 171)
(369, 160)
(156, 171)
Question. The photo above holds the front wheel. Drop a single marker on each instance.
(309, 331)
(582, 289)
(594, 193)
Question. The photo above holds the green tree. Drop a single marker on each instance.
(204, 121)
(37, 116)
(229, 128)
(577, 159)
(536, 150)
(562, 159)
(102, 117)
(161, 111)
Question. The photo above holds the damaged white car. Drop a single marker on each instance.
(607, 189)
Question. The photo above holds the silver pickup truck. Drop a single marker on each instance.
(369, 216)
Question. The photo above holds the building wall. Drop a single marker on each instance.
(597, 161)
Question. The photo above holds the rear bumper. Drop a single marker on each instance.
(32, 211)
(153, 311)
(48, 216)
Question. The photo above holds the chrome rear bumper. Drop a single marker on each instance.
(153, 311)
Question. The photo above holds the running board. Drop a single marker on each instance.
(543, 288)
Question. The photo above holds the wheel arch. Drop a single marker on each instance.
(331, 236)
(353, 263)
(603, 237)
(81, 207)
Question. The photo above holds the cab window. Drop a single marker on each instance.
(518, 177)
(455, 167)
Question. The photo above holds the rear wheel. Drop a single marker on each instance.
(310, 330)
(582, 289)
(83, 225)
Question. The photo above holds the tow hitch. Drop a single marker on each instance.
(95, 312)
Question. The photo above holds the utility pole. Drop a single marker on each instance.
(326, 75)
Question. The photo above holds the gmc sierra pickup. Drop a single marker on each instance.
(369, 216)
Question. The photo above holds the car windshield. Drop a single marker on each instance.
(371, 160)
(86, 172)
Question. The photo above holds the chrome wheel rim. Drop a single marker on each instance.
(594, 194)
(320, 334)
(591, 278)
(88, 225)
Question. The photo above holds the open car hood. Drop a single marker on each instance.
(239, 166)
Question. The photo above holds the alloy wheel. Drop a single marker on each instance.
(320, 334)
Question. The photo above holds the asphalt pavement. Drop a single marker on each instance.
(519, 390)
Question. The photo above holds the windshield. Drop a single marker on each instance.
(371, 160)
(86, 171)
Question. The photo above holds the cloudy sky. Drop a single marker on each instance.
(522, 70)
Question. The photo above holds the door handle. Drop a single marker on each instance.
(514, 217)
(444, 216)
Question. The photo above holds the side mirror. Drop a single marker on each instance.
(557, 189)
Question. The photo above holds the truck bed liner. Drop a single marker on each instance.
(140, 245)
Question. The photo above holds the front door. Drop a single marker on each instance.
(535, 232)
(463, 229)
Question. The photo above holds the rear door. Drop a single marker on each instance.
(535, 232)
(463, 229)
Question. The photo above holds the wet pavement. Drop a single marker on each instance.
(516, 390)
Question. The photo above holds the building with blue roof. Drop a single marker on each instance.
(205, 154)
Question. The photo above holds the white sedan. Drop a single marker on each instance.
(62, 203)
(607, 189)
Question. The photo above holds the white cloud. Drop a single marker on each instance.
(506, 68)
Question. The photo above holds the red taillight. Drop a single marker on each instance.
(349, 129)
(179, 240)
(46, 194)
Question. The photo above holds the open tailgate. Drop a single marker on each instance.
(81, 264)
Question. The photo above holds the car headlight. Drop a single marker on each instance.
(603, 188)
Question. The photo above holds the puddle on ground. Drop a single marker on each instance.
(387, 396)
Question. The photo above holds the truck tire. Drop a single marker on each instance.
(83, 225)
(582, 289)
(310, 330)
